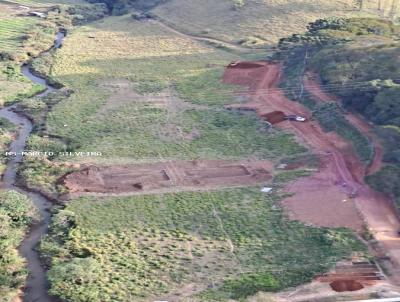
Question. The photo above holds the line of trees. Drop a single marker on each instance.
(120, 7)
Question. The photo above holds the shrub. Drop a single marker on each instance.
(238, 4)
(250, 284)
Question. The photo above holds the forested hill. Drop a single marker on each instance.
(361, 59)
(118, 7)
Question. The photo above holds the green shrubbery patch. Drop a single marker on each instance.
(155, 244)
(16, 214)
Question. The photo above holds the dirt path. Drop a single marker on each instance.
(324, 199)
(377, 211)
(313, 86)
(226, 44)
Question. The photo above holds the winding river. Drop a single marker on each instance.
(37, 286)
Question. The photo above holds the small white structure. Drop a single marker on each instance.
(37, 14)
(266, 190)
(282, 166)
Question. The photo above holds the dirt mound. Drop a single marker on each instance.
(166, 176)
(346, 286)
(352, 276)
(274, 117)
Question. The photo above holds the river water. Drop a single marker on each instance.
(37, 286)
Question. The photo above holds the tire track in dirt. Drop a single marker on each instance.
(312, 85)
(162, 23)
(325, 198)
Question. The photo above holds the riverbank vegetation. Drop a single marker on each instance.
(7, 134)
(209, 246)
(16, 213)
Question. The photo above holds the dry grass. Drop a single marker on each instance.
(260, 21)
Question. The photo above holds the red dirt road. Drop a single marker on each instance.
(312, 85)
(322, 199)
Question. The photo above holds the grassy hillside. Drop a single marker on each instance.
(15, 35)
(127, 74)
(233, 242)
(250, 22)
(153, 93)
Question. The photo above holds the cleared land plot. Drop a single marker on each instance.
(192, 246)
(167, 176)
(257, 22)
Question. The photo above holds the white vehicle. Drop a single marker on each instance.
(296, 118)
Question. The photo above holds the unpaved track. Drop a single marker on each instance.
(312, 85)
(323, 199)
(226, 44)
(376, 209)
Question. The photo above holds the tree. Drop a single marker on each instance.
(386, 107)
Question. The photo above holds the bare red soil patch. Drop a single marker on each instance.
(352, 276)
(346, 286)
(274, 117)
(336, 195)
(173, 175)
(318, 199)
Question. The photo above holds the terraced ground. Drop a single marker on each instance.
(12, 31)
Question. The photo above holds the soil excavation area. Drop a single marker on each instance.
(336, 195)
(352, 276)
(166, 176)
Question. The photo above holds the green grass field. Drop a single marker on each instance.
(127, 74)
(233, 242)
(11, 43)
(11, 32)
(20, 35)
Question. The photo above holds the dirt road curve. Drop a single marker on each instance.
(312, 85)
(229, 45)
(324, 198)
